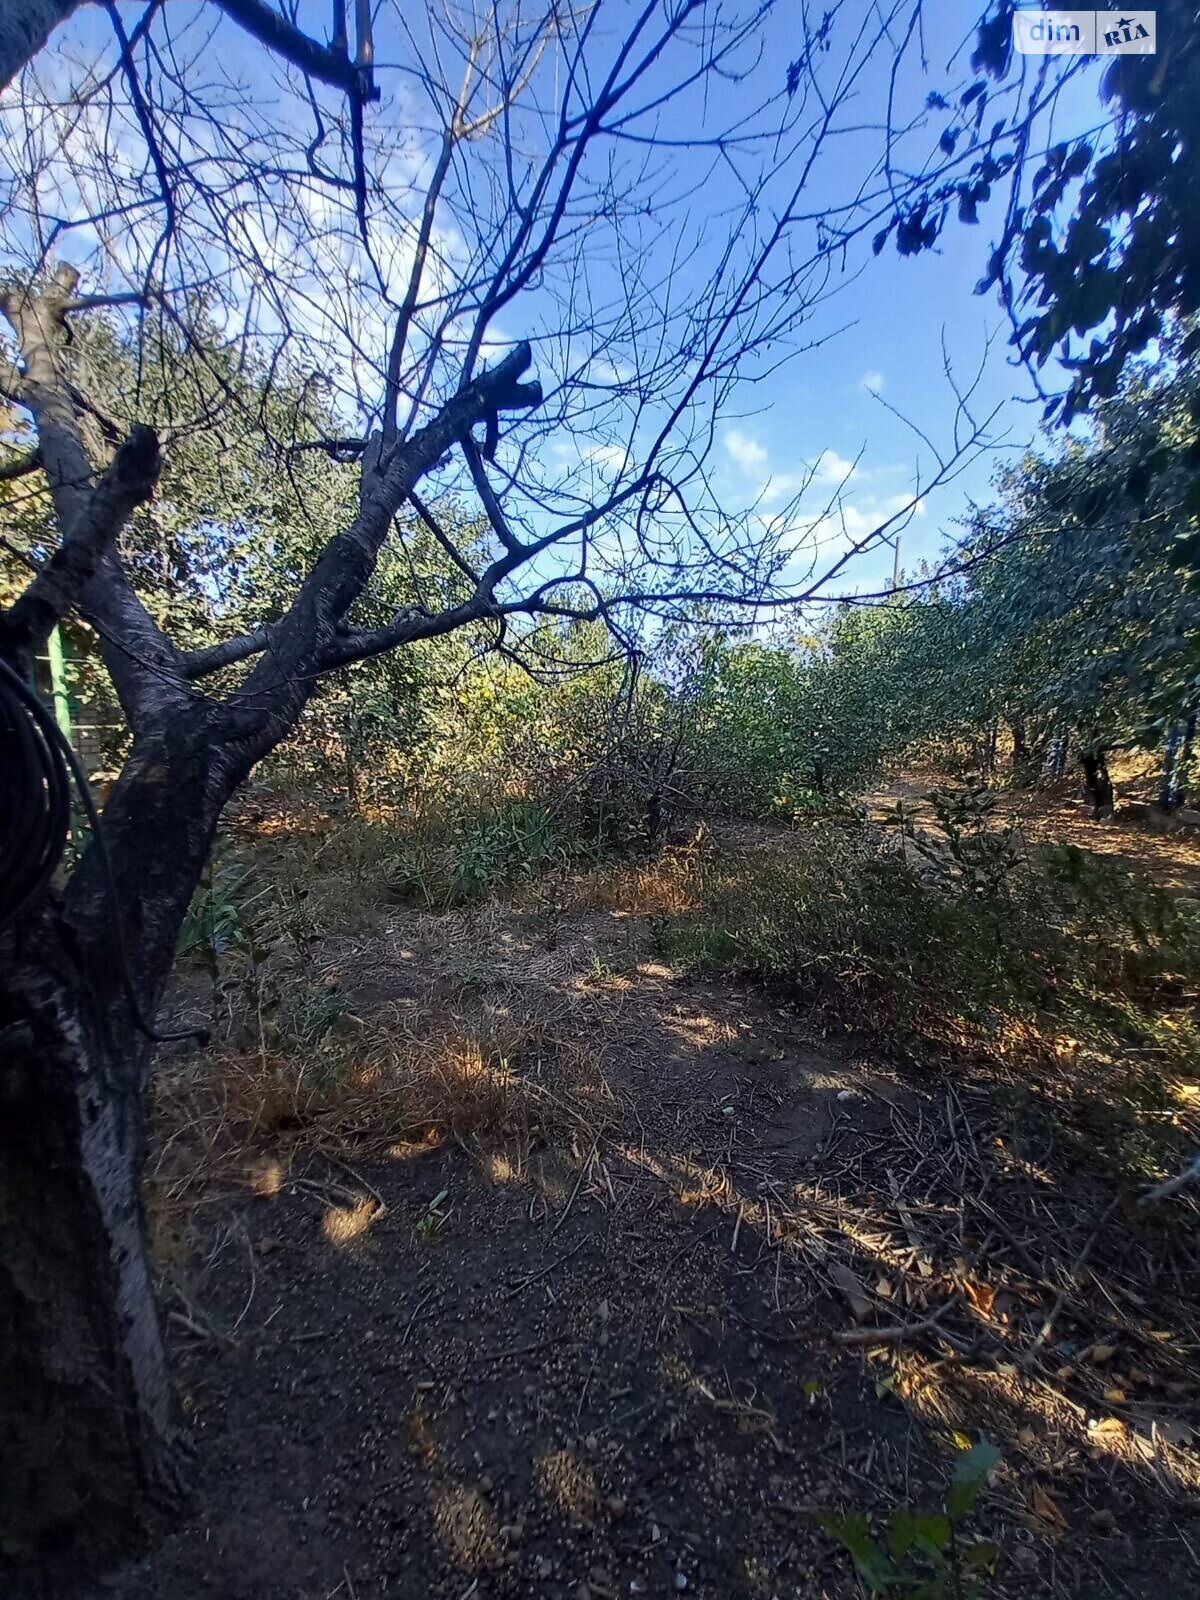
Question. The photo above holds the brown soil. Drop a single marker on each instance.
(1166, 850)
(602, 1351)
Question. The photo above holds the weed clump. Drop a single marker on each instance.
(993, 949)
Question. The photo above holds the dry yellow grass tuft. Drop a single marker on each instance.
(495, 1077)
(663, 887)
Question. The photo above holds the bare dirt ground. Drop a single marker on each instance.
(702, 1273)
(1170, 853)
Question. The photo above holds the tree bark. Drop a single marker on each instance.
(1021, 756)
(85, 1403)
(1097, 784)
(25, 26)
(87, 1464)
(1177, 756)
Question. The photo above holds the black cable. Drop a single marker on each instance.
(35, 796)
(35, 816)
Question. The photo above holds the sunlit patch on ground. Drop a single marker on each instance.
(569, 1483)
(343, 1224)
(652, 1237)
(466, 1527)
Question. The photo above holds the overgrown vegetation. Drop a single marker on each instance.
(368, 454)
(935, 955)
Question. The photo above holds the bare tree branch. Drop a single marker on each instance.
(211, 658)
(21, 466)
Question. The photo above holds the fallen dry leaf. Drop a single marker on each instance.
(1045, 1509)
(1107, 1427)
(265, 1176)
(982, 1297)
(853, 1289)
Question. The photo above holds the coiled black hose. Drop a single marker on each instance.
(35, 797)
(35, 819)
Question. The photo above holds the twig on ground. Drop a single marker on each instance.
(415, 1318)
(583, 1172)
(525, 1349)
(1047, 1327)
(553, 1266)
(241, 1317)
(181, 1319)
(898, 1332)
(1163, 1191)
(358, 1178)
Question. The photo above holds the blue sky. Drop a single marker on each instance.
(832, 408)
(904, 312)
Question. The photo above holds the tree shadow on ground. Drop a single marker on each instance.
(690, 1276)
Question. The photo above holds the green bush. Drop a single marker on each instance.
(468, 857)
(851, 924)
(849, 921)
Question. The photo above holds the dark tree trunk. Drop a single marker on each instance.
(1177, 758)
(1183, 775)
(1056, 756)
(1097, 785)
(86, 1411)
(27, 26)
(85, 1404)
(1021, 758)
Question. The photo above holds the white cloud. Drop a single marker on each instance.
(747, 452)
(610, 458)
(609, 369)
(832, 468)
(872, 381)
(783, 485)
(853, 523)
(830, 471)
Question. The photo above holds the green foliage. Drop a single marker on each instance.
(851, 925)
(433, 1219)
(1089, 613)
(1099, 258)
(985, 854)
(241, 921)
(474, 856)
(1083, 618)
(1124, 262)
(921, 1553)
(215, 921)
(988, 946)
(1080, 613)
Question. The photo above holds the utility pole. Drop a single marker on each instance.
(895, 563)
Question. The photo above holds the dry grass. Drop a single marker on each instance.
(959, 1209)
(407, 1078)
(662, 887)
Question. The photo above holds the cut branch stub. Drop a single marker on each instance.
(59, 587)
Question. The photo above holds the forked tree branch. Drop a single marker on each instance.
(90, 511)
(325, 62)
(211, 658)
(28, 24)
